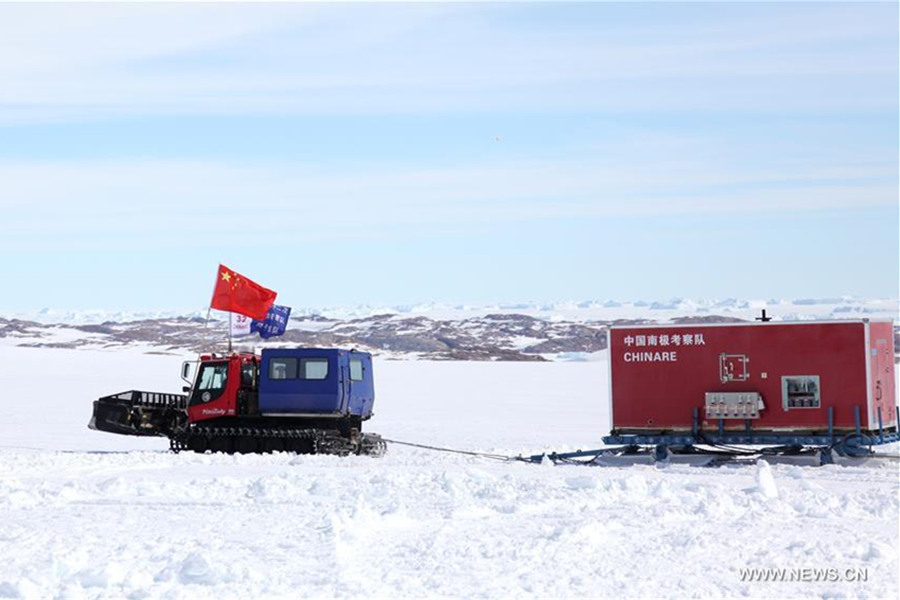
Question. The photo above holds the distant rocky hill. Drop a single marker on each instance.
(488, 337)
(492, 336)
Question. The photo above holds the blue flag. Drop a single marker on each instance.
(275, 323)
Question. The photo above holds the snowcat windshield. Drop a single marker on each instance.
(210, 382)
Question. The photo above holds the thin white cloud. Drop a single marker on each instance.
(145, 203)
(90, 61)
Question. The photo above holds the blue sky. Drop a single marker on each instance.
(399, 153)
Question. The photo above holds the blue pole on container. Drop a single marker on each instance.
(831, 424)
(880, 428)
(694, 424)
(856, 418)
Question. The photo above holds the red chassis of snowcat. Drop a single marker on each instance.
(208, 400)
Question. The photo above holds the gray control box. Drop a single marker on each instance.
(733, 405)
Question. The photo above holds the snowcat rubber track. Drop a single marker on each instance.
(245, 440)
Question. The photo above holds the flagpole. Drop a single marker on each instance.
(211, 296)
(209, 310)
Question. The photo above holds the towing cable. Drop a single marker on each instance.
(500, 457)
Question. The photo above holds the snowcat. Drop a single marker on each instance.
(304, 400)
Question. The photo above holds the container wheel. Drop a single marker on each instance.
(854, 446)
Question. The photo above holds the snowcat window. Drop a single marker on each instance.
(283, 368)
(212, 377)
(313, 368)
(356, 369)
(248, 373)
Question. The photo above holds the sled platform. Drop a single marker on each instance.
(139, 413)
(721, 445)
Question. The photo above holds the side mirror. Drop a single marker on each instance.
(186, 371)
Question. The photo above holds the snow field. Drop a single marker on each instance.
(93, 515)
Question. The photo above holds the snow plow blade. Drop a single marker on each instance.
(139, 413)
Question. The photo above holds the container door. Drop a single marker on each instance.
(882, 369)
(733, 367)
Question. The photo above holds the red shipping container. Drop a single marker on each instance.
(776, 377)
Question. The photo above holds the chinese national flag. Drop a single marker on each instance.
(235, 293)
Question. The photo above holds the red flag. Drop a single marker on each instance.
(236, 293)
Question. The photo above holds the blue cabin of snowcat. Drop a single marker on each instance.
(316, 381)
